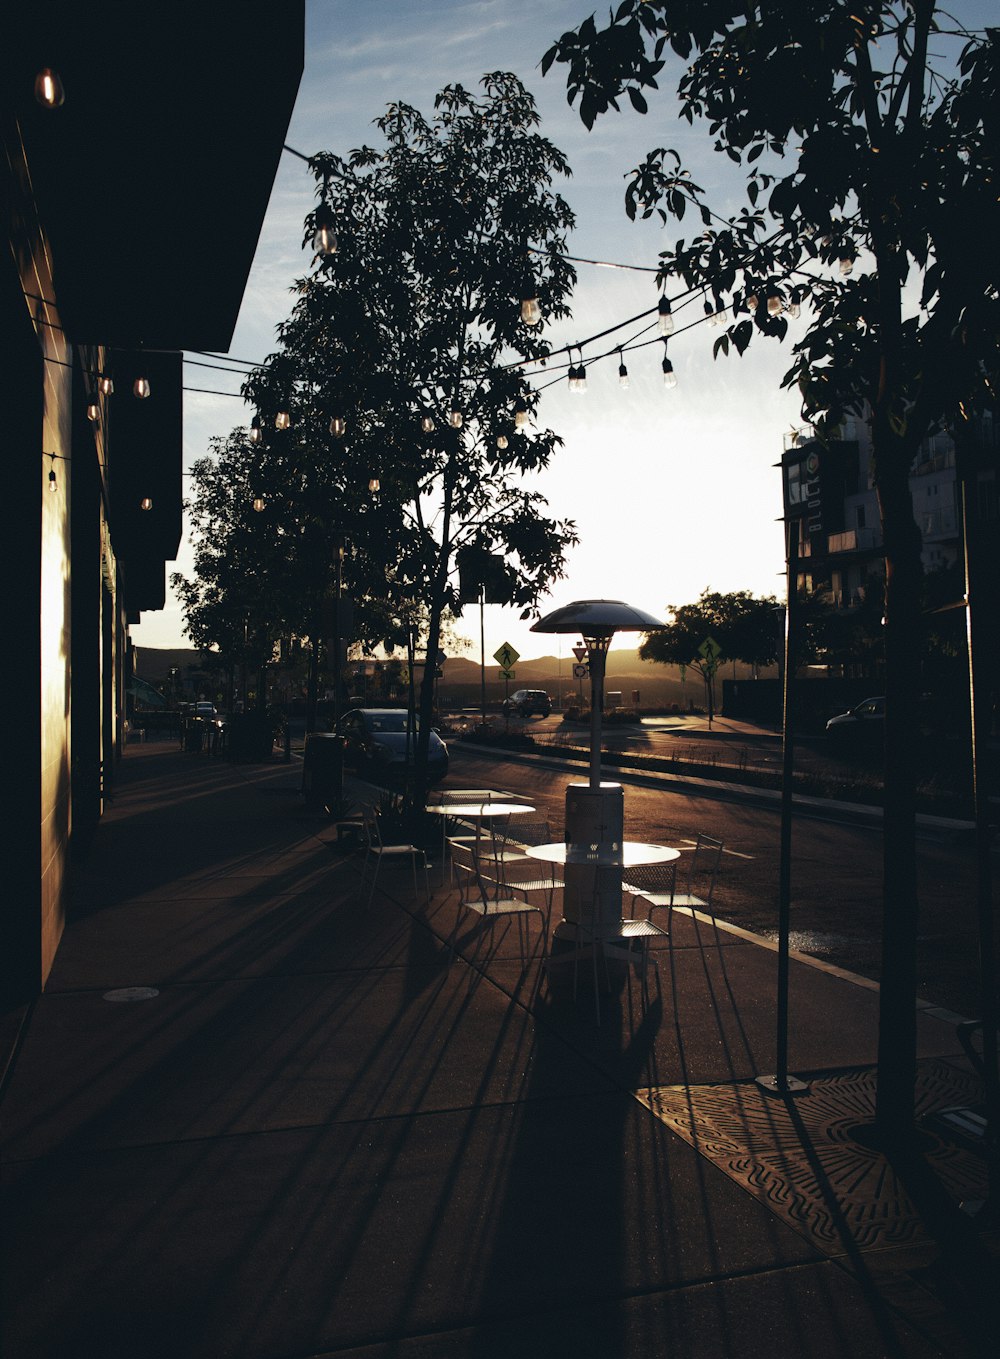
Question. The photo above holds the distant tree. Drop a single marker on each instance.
(398, 364)
(870, 139)
(743, 627)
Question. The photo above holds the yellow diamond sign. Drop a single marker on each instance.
(505, 656)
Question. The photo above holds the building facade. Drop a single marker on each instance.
(138, 159)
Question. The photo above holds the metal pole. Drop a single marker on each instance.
(780, 1083)
(597, 656)
(984, 874)
(482, 651)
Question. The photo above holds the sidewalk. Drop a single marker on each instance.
(317, 1138)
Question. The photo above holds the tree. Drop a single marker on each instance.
(868, 135)
(399, 364)
(743, 628)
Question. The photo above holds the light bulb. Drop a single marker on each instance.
(773, 304)
(141, 388)
(622, 376)
(256, 433)
(846, 264)
(53, 485)
(325, 238)
(282, 420)
(49, 88)
(501, 441)
(338, 427)
(669, 376)
(146, 503)
(93, 410)
(427, 424)
(531, 312)
(258, 504)
(666, 319)
(752, 300)
(106, 385)
(520, 413)
(793, 307)
(455, 419)
(374, 485)
(578, 379)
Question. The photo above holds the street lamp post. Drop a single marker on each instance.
(595, 811)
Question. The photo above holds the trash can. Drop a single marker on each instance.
(323, 770)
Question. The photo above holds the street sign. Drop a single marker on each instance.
(581, 671)
(580, 652)
(505, 655)
(506, 674)
(710, 649)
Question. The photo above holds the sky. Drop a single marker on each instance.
(672, 491)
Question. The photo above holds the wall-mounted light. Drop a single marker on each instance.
(49, 88)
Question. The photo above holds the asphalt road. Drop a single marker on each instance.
(836, 873)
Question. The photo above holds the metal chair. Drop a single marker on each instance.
(652, 883)
(376, 851)
(624, 933)
(475, 895)
(701, 874)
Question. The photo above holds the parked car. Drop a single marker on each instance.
(527, 702)
(860, 728)
(375, 744)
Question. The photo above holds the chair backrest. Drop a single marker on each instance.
(456, 796)
(526, 832)
(659, 878)
(704, 866)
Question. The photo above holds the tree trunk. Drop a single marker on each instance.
(897, 995)
(312, 684)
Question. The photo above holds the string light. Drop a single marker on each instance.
(258, 504)
(520, 413)
(49, 89)
(106, 384)
(146, 503)
(622, 371)
(93, 410)
(53, 484)
(338, 427)
(531, 312)
(669, 376)
(455, 419)
(501, 441)
(427, 424)
(846, 264)
(282, 420)
(141, 388)
(665, 316)
(256, 433)
(774, 304)
(325, 238)
(374, 485)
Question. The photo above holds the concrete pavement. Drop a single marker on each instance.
(316, 1137)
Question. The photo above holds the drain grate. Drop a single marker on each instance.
(807, 1164)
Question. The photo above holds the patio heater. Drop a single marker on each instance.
(595, 811)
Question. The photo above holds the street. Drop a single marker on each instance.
(836, 874)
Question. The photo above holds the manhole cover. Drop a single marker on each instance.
(132, 993)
